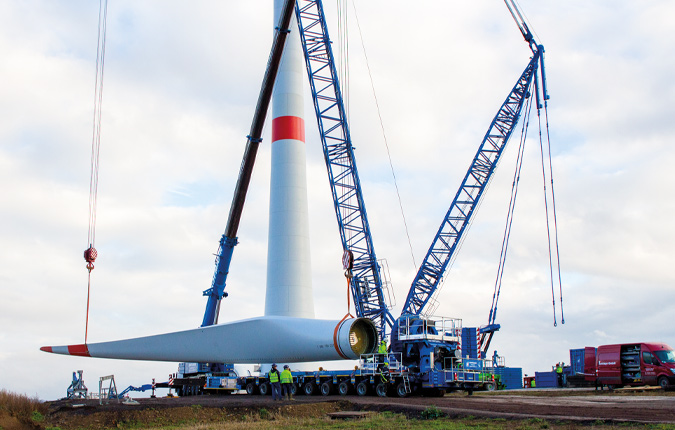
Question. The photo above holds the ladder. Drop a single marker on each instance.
(406, 383)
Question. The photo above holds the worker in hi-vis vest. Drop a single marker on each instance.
(383, 367)
(274, 383)
(559, 374)
(286, 382)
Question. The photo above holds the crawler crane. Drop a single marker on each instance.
(424, 355)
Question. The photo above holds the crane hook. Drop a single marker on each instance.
(90, 255)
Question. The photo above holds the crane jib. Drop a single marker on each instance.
(458, 217)
(366, 285)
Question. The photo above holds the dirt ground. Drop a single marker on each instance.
(576, 406)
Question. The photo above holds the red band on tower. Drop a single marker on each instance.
(288, 127)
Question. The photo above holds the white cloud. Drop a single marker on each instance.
(180, 87)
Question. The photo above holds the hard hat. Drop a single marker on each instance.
(274, 364)
(286, 366)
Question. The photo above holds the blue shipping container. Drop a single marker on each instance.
(545, 379)
(511, 377)
(577, 360)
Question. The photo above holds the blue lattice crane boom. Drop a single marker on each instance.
(450, 234)
(366, 283)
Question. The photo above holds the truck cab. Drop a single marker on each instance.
(658, 362)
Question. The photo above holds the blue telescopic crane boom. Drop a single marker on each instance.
(229, 239)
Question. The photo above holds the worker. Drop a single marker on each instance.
(286, 382)
(495, 359)
(274, 378)
(382, 359)
(559, 374)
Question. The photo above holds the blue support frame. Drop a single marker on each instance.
(366, 283)
(466, 200)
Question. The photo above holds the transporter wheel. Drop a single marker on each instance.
(294, 389)
(381, 389)
(400, 390)
(344, 388)
(362, 388)
(434, 392)
(251, 388)
(327, 388)
(663, 382)
(309, 388)
(264, 389)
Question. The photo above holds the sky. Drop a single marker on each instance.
(180, 84)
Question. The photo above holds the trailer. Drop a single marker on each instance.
(383, 375)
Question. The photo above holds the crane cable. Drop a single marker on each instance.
(348, 265)
(509, 217)
(90, 253)
(386, 144)
(554, 215)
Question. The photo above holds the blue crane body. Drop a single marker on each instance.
(425, 352)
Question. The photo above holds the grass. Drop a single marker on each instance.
(389, 421)
(20, 406)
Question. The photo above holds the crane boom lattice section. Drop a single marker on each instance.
(466, 200)
(366, 283)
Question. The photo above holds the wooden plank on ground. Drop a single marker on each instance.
(343, 415)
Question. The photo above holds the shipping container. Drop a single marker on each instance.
(510, 377)
(546, 379)
(577, 361)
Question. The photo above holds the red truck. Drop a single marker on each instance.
(630, 364)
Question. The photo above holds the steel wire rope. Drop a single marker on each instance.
(343, 77)
(90, 253)
(515, 10)
(384, 136)
(343, 44)
(525, 19)
(555, 216)
(548, 227)
(509, 217)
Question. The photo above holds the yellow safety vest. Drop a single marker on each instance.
(286, 377)
(382, 349)
(274, 376)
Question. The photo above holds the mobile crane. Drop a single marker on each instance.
(425, 352)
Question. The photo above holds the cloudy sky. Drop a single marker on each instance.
(181, 81)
